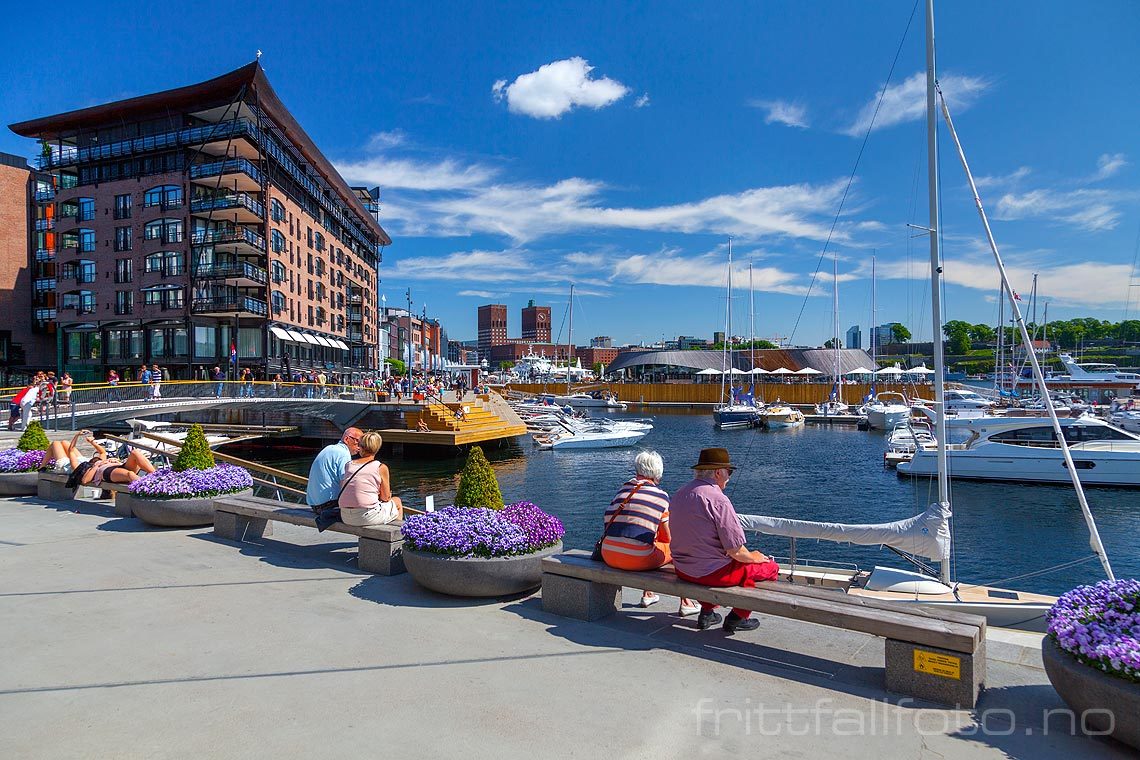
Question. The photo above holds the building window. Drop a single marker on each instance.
(166, 230)
(163, 196)
(278, 299)
(86, 210)
(276, 210)
(124, 301)
(320, 242)
(123, 238)
(277, 240)
(310, 264)
(309, 233)
(278, 270)
(123, 206)
(169, 263)
(122, 271)
(320, 267)
(80, 271)
(86, 241)
(205, 342)
(310, 316)
(164, 298)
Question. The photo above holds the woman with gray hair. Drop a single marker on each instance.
(636, 535)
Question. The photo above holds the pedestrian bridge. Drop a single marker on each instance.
(485, 417)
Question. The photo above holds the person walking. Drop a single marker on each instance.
(144, 380)
(219, 379)
(156, 382)
(113, 381)
(708, 543)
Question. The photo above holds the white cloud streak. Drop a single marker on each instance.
(558, 87)
(784, 112)
(642, 101)
(1091, 210)
(906, 101)
(1108, 165)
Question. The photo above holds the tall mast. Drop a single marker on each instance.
(874, 313)
(751, 317)
(999, 354)
(835, 321)
(936, 272)
(726, 366)
(570, 339)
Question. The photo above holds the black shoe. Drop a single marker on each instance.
(707, 620)
(734, 623)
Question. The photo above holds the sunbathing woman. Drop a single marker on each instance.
(99, 468)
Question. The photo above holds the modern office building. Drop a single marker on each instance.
(492, 327)
(536, 323)
(854, 337)
(883, 335)
(184, 223)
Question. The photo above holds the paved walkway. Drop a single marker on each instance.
(119, 641)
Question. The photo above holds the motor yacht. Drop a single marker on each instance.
(883, 413)
(1025, 450)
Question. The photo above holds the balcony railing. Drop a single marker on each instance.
(43, 196)
(45, 315)
(45, 254)
(354, 314)
(232, 270)
(228, 166)
(44, 284)
(69, 155)
(232, 200)
(230, 305)
(228, 235)
(355, 336)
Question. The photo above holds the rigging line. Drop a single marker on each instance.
(1031, 574)
(1132, 277)
(854, 169)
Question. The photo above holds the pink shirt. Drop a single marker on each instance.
(363, 491)
(704, 527)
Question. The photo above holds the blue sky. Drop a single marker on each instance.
(520, 147)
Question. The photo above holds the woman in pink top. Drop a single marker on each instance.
(366, 492)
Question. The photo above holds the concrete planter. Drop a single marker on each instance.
(1094, 696)
(171, 513)
(19, 483)
(478, 576)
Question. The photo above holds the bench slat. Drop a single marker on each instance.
(831, 608)
(265, 509)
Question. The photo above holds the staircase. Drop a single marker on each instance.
(485, 418)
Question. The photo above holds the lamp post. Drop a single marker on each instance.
(410, 362)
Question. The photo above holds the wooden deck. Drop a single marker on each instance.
(485, 418)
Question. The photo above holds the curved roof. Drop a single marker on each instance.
(821, 359)
(220, 89)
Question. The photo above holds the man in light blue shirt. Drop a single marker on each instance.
(328, 467)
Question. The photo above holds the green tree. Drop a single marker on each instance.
(959, 340)
(598, 369)
(899, 333)
(34, 438)
(980, 333)
(955, 325)
(478, 486)
(830, 343)
(398, 366)
(505, 365)
(196, 453)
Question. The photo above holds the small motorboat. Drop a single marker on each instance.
(780, 416)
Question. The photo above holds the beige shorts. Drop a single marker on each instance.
(382, 514)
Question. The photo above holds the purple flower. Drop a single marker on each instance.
(215, 481)
(476, 532)
(14, 460)
(1100, 626)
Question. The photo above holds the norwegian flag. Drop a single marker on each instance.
(1016, 297)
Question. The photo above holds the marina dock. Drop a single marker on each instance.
(109, 624)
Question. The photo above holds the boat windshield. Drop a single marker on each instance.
(1043, 435)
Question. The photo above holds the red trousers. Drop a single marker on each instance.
(735, 574)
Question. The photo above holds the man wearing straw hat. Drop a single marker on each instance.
(708, 543)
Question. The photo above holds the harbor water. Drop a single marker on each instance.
(834, 474)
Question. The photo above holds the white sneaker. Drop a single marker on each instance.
(648, 599)
(688, 609)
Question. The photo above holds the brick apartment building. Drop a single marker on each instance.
(22, 349)
(172, 226)
(492, 327)
(429, 343)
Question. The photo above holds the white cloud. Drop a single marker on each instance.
(1108, 165)
(410, 174)
(382, 140)
(1003, 180)
(670, 267)
(1092, 210)
(907, 101)
(1077, 284)
(476, 293)
(783, 112)
(642, 101)
(558, 87)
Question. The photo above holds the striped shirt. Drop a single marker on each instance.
(636, 526)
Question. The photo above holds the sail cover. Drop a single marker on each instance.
(924, 535)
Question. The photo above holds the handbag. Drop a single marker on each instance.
(596, 555)
(328, 512)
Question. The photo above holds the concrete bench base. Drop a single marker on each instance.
(379, 548)
(52, 486)
(939, 656)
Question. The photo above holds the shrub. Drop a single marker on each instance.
(34, 438)
(478, 486)
(195, 453)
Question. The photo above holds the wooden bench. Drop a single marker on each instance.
(239, 518)
(938, 656)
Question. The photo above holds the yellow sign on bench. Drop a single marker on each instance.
(944, 665)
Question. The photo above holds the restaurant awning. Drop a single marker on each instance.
(281, 333)
(340, 344)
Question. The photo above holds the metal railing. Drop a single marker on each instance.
(230, 305)
(228, 235)
(232, 270)
(232, 200)
(226, 166)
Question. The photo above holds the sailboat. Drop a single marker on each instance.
(595, 399)
(834, 404)
(928, 535)
(736, 408)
